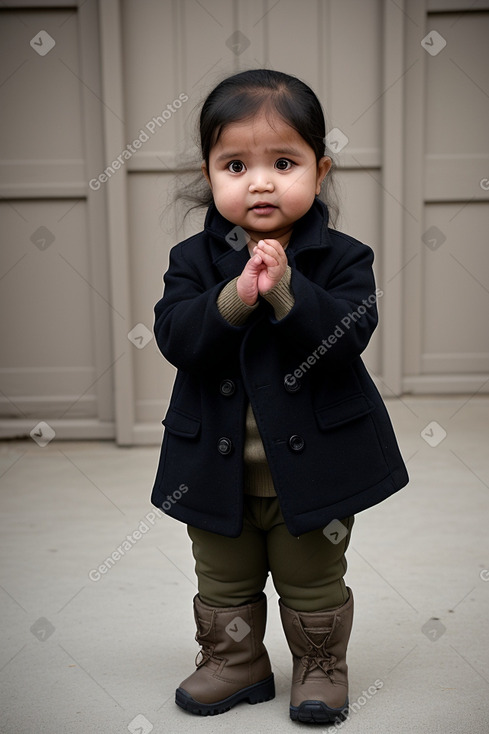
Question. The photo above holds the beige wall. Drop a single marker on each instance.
(82, 264)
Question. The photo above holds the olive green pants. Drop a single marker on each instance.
(307, 571)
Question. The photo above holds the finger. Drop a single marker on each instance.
(258, 261)
(269, 259)
(274, 249)
(254, 261)
(275, 244)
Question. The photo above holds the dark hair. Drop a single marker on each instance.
(242, 96)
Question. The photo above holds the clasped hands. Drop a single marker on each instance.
(263, 271)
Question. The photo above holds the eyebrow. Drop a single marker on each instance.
(277, 151)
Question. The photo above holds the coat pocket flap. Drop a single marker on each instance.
(181, 425)
(343, 412)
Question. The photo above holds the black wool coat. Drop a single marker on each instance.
(327, 436)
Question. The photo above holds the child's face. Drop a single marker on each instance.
(264, 176)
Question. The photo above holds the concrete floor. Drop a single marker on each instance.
(84, 655)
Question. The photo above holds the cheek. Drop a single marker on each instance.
(229, 204)
(228, 196)
(303, 193)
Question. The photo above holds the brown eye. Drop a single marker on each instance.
(236, 167)
(283, 164)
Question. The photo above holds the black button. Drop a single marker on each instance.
(296, 443)
(291, 383)
(224, 446)
(227, 388)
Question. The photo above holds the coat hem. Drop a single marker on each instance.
(369, 497)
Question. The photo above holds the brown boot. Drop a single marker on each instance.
(318, 642)
(234, 665)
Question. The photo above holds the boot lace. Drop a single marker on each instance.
(207, 651)
(318, 657)
(206, 655)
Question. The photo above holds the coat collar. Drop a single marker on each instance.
(310, 232)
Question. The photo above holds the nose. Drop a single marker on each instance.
(261, 182)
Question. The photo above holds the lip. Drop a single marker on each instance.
(263, 207)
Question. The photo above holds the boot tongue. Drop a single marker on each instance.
(317, 635)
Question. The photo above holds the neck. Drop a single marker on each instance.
(282, 237)
(253, 242)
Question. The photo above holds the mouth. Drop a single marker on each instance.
(263, 207)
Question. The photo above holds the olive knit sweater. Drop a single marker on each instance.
(257, 477)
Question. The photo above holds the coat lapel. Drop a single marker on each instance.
(228, 261)
(310, 232)
(231, 263)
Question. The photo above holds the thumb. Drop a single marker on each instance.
(255, 261)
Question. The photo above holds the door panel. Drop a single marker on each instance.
(54, 296)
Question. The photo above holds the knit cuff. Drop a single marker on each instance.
(231, 307)
(281, 296)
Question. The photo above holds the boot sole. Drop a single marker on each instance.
(316, 712)
(257, 693)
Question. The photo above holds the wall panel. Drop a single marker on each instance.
(456, 291)
(447, 288)
(56, 357)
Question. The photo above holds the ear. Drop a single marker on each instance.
(324, 165)
(206, 174)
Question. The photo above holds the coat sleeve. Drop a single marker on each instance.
(190, 331)
(337, 316)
